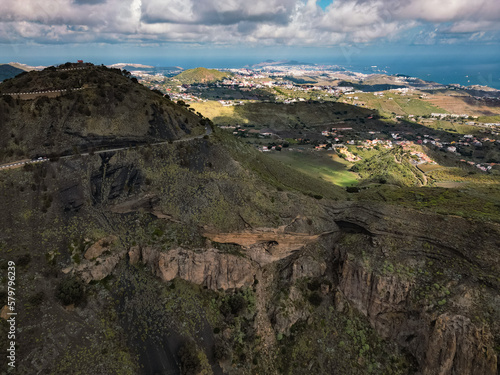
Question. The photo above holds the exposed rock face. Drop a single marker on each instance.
(210, 267)
(456, 346)
(286, 317)
(100, 269)
(455, 234)
(96, 269)
(446, 345)
(265, 245)
(99, 247)
(112, 181)
(134, 254)
(307, 266)
(381, 299)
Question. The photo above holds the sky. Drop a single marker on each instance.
(205, 32)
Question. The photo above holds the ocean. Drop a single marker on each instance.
(446, 72)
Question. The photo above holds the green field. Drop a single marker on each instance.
(463, 175)
(398, 104)
(282, 116)
(452, 127)
(319, 164)
(428, 167)
(489, 119)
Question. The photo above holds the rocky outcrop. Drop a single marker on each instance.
(456, 346)
(307, 266)
(211, 268)
(284, 318)
(134, 254)
(4, 311)
(444, 345)
(264, 245)
(99, 247)
(96, 269)
(382, 299)
(455, 234)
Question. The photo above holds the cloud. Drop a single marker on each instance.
(217, 12)
(266, 22)
(449, 10)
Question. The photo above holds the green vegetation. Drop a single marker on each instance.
(399, 104)
(201, 75)
(488, 119)
(281, 116)
(108, 110)
(71, 291)
(473, 202)
(339, 342)
(277, 174)
(295, 313)
(323, 165)
(453, 127)
(389, 167)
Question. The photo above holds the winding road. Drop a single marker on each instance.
(20, 163)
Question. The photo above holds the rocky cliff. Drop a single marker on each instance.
(415, 283)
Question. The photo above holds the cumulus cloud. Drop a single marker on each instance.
(295, 22)
(217, 12)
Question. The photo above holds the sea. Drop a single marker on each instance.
(468, 67)
(485, 73)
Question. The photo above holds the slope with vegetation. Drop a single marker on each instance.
(390, 167)
(201, 75)
(101, 108)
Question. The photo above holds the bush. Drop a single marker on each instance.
(70, 291)
(314, 285)
(191, 363)
(315, 299)
(233, 305)
(221, 351)
(23, 260)
(237, 304)
(36, 299)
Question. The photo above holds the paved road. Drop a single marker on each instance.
(20, 163)
(41, 92)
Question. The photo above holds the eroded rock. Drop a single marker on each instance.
(209, 267)
(99, 247)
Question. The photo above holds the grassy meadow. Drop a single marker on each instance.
(324, 165)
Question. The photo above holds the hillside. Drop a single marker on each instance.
(201, 255)
(8, 71)
(59, 111)
(201, 75)
(390, 167)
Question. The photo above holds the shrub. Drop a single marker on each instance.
(314, 285)
(23, 260)
(70, 290)
(190, 361)
(315, 299)
(237, 303)
(37, 298)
